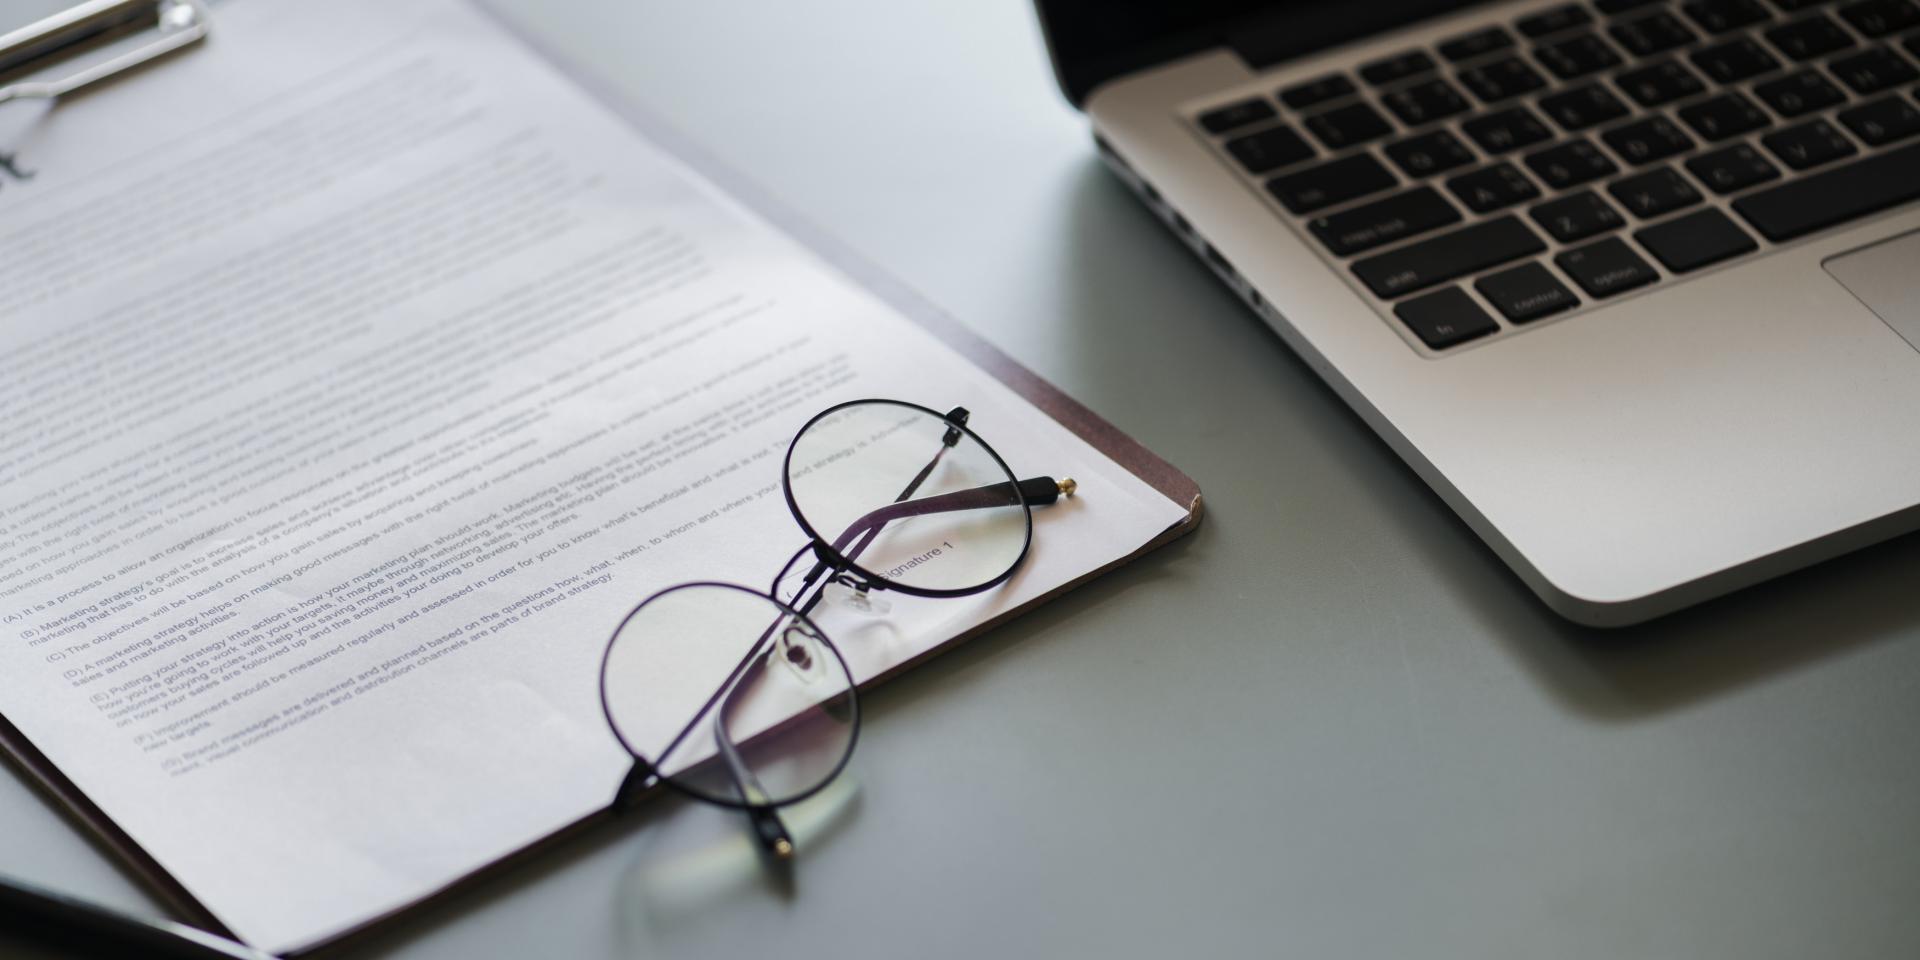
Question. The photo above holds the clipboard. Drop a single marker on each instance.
(182, 23)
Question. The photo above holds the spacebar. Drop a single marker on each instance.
(1420, 265)
(1835, 196)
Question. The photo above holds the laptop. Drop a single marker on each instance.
(1633, 285)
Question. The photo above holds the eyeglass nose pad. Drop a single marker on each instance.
(844, 591)
(799, 649)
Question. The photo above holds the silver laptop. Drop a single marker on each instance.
(1634, 285)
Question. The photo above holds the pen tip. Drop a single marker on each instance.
(783, 848)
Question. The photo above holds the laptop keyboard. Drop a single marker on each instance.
(1537, 166)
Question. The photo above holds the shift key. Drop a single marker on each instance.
(1418, 266)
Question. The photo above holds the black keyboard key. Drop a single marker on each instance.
(1652, 34)
(1330, 183)
(1424, 102)
(1384, 221)
(1490, 188)
(1506, 130)
(1834, 196)
(1809, 37)
(1659, 83)
(1502, 79)
(1316, 91)
(1583, 107)
(1526, 293)
(1882, 121)
(1576, 56)
(1655, 193)
(1719, 16)
(1236, 115)
(1429, 153)
(1877, 18)
(1345, 126)
(1269, 149)
(1476, 44)
(1912, 44)
(1575, 218)
(1554, 20)
(1570, 164)
(1606, 267)
(1445, 317)
(1400, 66)
(1695, 240)
(1727, 115)
(1735, 60)
(1798, 93)
(1436, 260)
(1644, 141)
(1809, 145)
(1795, 6)
(1616, 7)
(1734, 168)
(1873, 70)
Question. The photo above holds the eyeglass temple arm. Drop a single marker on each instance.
(1036, 491)
(768, 829)
(770, 832)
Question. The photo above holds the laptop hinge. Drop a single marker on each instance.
(1310, 26)
(1093, 41)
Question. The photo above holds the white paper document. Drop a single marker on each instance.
(358, 372)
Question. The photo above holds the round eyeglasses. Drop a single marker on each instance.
(734, 696)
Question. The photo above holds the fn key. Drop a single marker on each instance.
(1445, 317)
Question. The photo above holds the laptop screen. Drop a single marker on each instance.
(1093, 41)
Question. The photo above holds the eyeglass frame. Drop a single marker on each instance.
(833, 561)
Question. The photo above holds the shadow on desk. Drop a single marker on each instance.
(1742, 638)
(665, 870)
(1122, 266)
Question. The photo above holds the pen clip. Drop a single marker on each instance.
(180, 22)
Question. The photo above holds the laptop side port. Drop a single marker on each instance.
(1208, 254)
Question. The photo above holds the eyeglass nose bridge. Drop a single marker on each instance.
(841, 570)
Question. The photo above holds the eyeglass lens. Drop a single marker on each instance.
(960, 524)
(730, 695)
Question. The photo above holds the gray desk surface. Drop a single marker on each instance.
(1328, 725)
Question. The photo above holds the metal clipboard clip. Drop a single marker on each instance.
(91, 25)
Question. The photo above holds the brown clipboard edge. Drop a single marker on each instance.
(1122, 449)
(80, 809)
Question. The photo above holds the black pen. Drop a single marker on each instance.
(66, 923)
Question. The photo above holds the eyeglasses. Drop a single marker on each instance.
(734, 696)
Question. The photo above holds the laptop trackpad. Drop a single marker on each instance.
(1886, 277)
